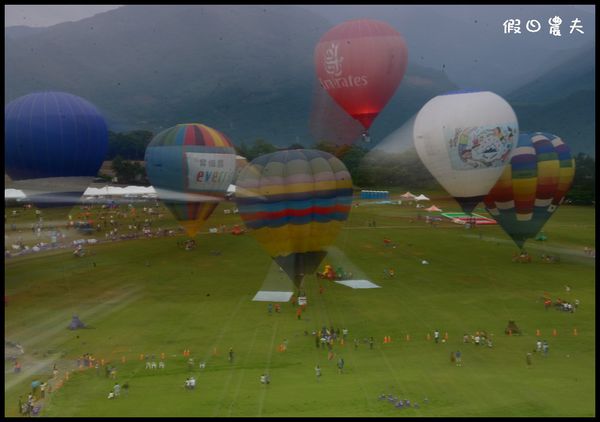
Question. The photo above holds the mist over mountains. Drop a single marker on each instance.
(248, 71)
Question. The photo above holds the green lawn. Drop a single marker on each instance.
(150, 296)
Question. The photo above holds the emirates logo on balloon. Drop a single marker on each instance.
(333, 63)
(333, 66)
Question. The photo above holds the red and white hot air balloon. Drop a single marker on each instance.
(360, 63)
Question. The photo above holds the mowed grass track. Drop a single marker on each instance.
(149, 296)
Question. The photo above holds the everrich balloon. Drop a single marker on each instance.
(295, 203)
(532, 186)
(191, 166)
(54, 144)
(465, 140)
(360, 63)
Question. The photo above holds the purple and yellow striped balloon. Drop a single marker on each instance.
(539, 175)
(295, 203)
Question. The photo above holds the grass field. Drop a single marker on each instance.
(150, 296)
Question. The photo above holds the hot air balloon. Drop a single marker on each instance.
(191, 166)
(360, 63)
(465, 140)
(54, 144)
(532, 186)
(295, 203)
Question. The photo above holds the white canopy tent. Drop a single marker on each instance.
(408, 196)
(119, 191)
(421, 198)
(13, 194)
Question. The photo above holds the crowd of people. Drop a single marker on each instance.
(400, 403)
(479, 338)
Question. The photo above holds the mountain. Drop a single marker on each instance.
(246, 70)
(562, 101)
(566, 73)
(19, 31)
(573, 118)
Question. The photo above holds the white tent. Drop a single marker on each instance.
(408, 195)
(119, 191)
(13, 194)
(433, 208)
(421, 198)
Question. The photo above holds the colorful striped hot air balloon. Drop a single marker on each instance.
(532, 186)
(191, 166)
(295, 203)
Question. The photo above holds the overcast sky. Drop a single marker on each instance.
(47, 15)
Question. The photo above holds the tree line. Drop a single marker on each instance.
(368, 167)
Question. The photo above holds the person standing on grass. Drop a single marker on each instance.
(528, 359)
(231, 354)
(355, 343)
(458, 357)
(436, 336)
(318, 372)
(340, 365)
(371, 341)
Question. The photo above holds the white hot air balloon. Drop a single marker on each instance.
(465, 139)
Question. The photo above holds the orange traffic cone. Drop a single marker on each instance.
(537, 332)
(384, 339)
(141, 356)
(574, 331)
(554, 333)
(446, 335)
(389, 339)
(509, 332)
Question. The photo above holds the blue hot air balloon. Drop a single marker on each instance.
(54, 145)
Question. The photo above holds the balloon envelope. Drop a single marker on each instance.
(191, 166)
(465, 140)
(532, 186)
(54, 143)
(295, 202)
(360, 63)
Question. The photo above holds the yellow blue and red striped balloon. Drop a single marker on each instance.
(539, 175)
(295, 203)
